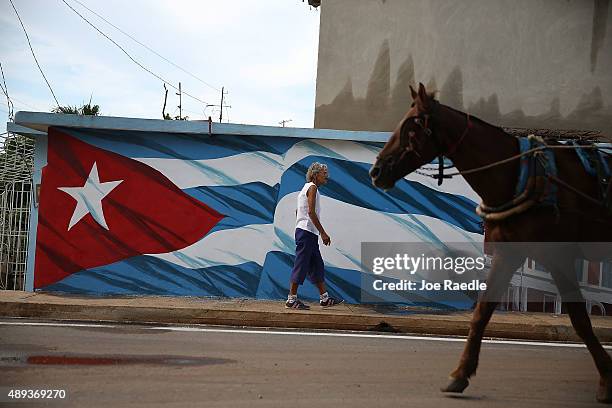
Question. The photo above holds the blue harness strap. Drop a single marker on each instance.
(521, 185)
(537, 164)
(588, 161)
(535, 185)
(549, 167)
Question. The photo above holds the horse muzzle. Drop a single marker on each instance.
(380, 177)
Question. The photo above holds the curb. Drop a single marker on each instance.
(415, 324)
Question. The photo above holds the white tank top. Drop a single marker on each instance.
(303, 219)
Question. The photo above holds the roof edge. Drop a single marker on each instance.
(41, 121)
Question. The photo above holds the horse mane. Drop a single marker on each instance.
(473, 118)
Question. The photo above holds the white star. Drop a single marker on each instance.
(89, 197)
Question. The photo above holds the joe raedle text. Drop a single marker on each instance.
(420, 285)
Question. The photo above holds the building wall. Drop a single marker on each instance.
(192, 214)
(199, 215)
(523, 63)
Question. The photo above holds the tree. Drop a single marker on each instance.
(168, 117)
(85, 109)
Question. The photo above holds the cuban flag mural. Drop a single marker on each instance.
(136, 213)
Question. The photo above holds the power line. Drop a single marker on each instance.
(9, 102)
(34, 55)
(13, 99)
(128, 55)
(147, 47)
(192, 112)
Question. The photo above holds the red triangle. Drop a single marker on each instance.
(145, 213)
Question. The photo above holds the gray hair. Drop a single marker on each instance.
(314, 169)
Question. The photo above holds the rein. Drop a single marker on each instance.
(550, 177)
(509, 159)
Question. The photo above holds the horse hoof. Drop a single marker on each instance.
(456, 385)
(604, 392)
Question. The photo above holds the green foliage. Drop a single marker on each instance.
(168, 117)
(85, 109)
(66, 109)
(88, 109)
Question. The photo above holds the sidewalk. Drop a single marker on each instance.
(257, 313)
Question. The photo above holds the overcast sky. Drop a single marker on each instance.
(263, 52)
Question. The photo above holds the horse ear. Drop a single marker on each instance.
(423, 97)
(422, 91)
(413, 92)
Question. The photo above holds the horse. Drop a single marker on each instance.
(488, 159)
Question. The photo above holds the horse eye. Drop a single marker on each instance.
(417, 121)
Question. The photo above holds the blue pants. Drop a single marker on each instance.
(308, 260)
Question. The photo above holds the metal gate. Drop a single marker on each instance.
(16, 159)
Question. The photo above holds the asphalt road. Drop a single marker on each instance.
(140, 366)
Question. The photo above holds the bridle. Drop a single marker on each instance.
(425, 122)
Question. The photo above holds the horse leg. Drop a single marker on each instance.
(565, 279)
(502, 268)
(582, 324)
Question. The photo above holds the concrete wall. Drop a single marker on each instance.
(198, 215)
(519, 63)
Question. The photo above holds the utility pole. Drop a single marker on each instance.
(180, 105)
(208, 105)
(223, 93)
(282, 122)
(221, 106)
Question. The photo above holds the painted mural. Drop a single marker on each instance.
(134, 213)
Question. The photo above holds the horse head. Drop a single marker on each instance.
(412, 144)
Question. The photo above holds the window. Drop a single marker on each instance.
(606, 275)
(593, 273)
(579, 270)
(539, 267)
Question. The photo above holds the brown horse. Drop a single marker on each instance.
(430, 129)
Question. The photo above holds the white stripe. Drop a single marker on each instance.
(300, 333)
(350, 225)
(268, 167)
(262, 166)
(344, 222)
(227, 171)
(250, 243)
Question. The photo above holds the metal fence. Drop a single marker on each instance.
(16, 163)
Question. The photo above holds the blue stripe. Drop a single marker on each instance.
(341, 283)
(187, 147)
(350, 182)
(251, 203)
(255, 203)
(146, 275)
